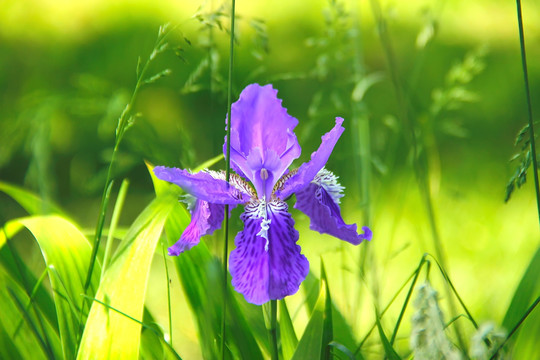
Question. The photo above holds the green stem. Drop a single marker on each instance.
(407, 299)
(529, 106)
(270, 320)
(419, 160)
(227, 176)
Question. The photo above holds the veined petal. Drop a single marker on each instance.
(205, 219)
(262, 137)
(307, 171)
(267, 263)
(319, 200)
(206, 185)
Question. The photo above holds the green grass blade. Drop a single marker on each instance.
(391, 354)
(289, 341)
(30, 202)
(318, 333)
(345, 350)
(527, 290)
(66, 252)
(25, 340)
(40, 336)
(528, 287)
(328, 327)
(110, 334)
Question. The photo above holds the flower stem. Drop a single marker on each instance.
(270, 320)
(420, 165)
(228, 176)
(529, 106)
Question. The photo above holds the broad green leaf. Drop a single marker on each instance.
(108, 334)
(289, 341)
(32, 203)
(66, 252)
(318, 333)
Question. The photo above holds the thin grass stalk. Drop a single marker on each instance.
(124, 123)
(31, 299)
(227, 176)
(168, 292)
(362, 143)
(419, 163)
(514, 329)
(114, 222)
(407, 299)
(529, 105)
(385, 310)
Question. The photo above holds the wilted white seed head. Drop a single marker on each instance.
(479, 350)
(428, 338)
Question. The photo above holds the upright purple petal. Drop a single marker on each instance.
(320, 201)
(307, 171)
(263, 143)
(267, 263)
(205, 219)
(206, 185)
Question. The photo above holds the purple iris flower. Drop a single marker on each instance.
(266, 263)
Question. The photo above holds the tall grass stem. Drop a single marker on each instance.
(529, 105)
(419, 161)
(228, 176)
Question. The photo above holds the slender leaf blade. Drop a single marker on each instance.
(289, 341)
(391, 354)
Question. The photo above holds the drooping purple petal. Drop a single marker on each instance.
(307, 171)
(205, 219)
(320, 201)
(262, 137)
(267, 263)
(204, 185)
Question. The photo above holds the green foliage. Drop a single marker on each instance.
(314, 343)
(55, 304)
(123, 287)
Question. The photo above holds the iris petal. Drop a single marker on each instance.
(267, 263)
(203, 185)
(205, 219)
(320, 201)
(262, 133)
(307, 171)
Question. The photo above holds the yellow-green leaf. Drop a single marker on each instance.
(66, 252)
(109, 334)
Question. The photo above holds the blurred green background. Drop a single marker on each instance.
(67, 69)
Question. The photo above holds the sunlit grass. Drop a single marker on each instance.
(487, 244)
